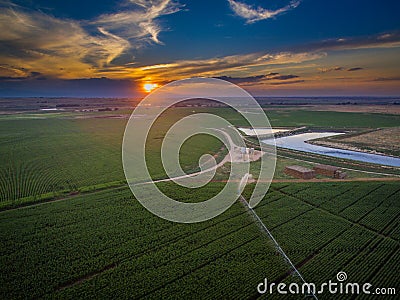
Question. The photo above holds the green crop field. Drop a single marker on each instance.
(294, 118)
(107, 244)
(331, 119)
(43, 158)
(199, 150)
(92, 239)
(330, 227)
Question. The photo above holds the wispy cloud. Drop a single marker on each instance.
(35, 45)
(138, 24)
(68, 48)
(214, 67)
(287, 82)
(252, 14)
(386, 40)
(387, 79)
(330, 69)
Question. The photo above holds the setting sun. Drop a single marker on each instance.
(148, 87)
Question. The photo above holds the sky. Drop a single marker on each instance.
(106, 48)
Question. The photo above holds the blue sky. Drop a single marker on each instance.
(295, 47)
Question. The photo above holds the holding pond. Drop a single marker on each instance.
(299, 142)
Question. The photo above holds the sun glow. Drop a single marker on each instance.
(148, 87)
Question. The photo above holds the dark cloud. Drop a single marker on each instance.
(258, 78)
(285, 77)
(31, 75)
(242, 79)
(391, 39)
(355, 69)
(386, 79)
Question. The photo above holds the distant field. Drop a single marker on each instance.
(378, 109)
(55, 154)
(51, 155)
(294, 118)
(385, 140)
(107, 244)
(328, 119)
(43, 157)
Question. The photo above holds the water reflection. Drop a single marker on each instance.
(298, 142)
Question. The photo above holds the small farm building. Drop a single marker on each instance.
(299, 172)
(330, 171)
(340, 175)
(325, 170)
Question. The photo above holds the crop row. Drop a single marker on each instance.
(138, 277)
(337, 254)
(233, 275)
(326, 244)
(369, 202)
(109, 230)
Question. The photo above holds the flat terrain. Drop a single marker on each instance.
(385, 141)
(107, 243)
(70, 227)
(377, 109)
(47, 157)
(333, 119)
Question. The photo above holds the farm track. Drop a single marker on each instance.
(227, 158)
(67, 197)
(361, 179)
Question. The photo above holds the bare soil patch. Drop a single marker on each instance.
(379, 109)
(384, 141)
